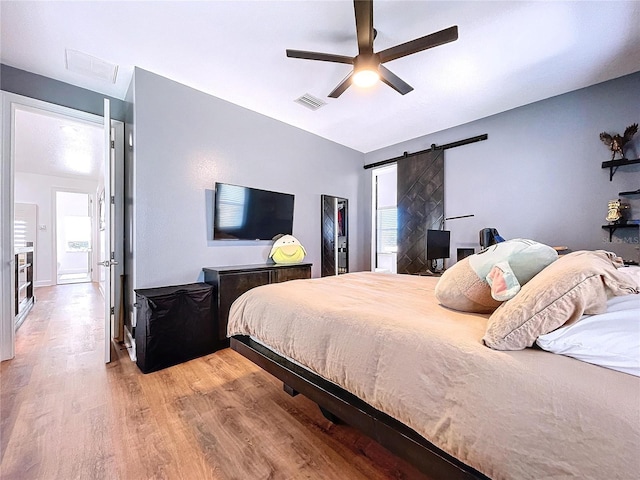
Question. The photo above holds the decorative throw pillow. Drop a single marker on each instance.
(578, 283)
(461, 289)
(481, 282)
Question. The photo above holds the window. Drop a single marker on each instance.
(24, 224)
(387, 230)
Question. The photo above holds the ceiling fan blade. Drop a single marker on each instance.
(325, 57)
(439, 38)
(395, 82)
(364, 25)
(342, 86)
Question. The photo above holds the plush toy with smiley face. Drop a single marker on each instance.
(287, 249)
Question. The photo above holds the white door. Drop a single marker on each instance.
(111, 238)
(107, 252)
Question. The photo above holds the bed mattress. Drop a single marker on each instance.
(385, 338)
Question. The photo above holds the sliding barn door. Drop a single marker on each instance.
(420, 207)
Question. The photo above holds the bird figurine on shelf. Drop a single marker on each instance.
(617, 142)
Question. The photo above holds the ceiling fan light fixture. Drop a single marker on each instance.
(366, 78)
(368, 66)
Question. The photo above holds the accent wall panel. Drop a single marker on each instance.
(420, 207)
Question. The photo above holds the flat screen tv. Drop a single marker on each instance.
(243, 213)
(438, 242)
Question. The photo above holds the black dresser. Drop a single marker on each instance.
(232, 281)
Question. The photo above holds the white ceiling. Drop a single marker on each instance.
(508, 54)
(48, 144)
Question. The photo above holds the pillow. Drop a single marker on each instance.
(461, 289)
(481, 282)
(611, 339)
(577, 283)
(633, 271)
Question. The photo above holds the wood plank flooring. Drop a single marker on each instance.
(64, 414)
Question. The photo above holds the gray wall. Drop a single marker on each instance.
(185, 141)
(539, 174)
(53, 91)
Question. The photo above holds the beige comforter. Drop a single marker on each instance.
(514, 415)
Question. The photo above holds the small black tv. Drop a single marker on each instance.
(244, 213)
(438, 242)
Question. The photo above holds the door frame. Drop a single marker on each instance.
(11, 101)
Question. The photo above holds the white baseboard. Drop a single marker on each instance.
(130, 343)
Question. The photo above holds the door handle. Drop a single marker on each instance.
(108, 263)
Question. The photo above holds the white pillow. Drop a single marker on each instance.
(633, 271)
(610, 339)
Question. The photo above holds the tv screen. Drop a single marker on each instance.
(438, 244)
(243, 213)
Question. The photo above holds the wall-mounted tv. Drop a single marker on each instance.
(243, 213)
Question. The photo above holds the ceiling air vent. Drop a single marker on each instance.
(310, 101)
(91, 66)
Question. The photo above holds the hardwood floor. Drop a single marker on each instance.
(67, 415)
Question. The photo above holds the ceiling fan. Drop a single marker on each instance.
(367, 65)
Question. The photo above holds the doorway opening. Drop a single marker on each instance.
(73, 219)
(59, 160)
(384, 235)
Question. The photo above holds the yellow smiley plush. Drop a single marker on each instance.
(287, 249)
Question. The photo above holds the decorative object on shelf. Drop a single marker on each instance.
(616, 213)
(617, 142)
(287, 249)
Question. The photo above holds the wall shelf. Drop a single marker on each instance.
(613, 165)
(613, 228)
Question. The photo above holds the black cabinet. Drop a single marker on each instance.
(174, 324)
(231, 282)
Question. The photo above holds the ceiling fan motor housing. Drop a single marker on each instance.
(366, 62)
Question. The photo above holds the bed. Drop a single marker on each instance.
(379, 352)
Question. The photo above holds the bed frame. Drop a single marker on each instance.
(336, 403)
